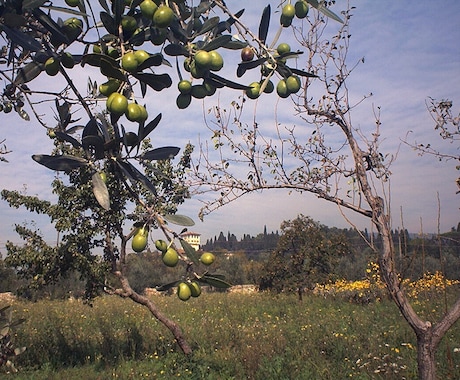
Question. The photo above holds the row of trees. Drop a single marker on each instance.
(306, 253)
(142, 187)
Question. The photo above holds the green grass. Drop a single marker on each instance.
(256, 336)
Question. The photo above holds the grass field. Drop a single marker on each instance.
(234, 336)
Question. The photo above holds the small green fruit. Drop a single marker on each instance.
(131, 139)
(157, 36)
(129, 24)
(288, 11)
(282, 90)
(109, 87)
(195, 289)
(141, 56)
(207, 258)
(183, 101)
(285, 21)
(67, 60)
(8, 107)
(184, 86)
(148, 8)
(72, 3)
(133, 112)
(183, 291)
(217, 62)
(203, 59)
(139, 241)
(283, 48)
(161, 245)
(199, 91)
(269, 88)
(170, 257)
(52, 66)
(129, 62)
(117, 103)
(293, 84)
(253, 91)
(72, 27)
(210, 89)
(301, 9)
(163, 16)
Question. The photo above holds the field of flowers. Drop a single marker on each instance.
(329, 335)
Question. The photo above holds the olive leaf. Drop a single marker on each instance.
(264, 23)
(29, 72)
(227, 82)
(163, 153)
(50, 25)
(175, 50)
(135, 175)
(303, 73)
(180, 220)
(162, 288)
(243, 66)
(208, 25)
(329, 13)
(27, 42)
(144, 131)
(217, 42)
(60, 162)
(156, 81)
(65, 137)
(189, 251)
(215, 280)
(100, 191)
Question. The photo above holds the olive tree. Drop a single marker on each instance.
(306, 254)
(113, 187)
(326, 154)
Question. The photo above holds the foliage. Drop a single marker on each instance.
(7, 349)
(128, 44)
(306, 254)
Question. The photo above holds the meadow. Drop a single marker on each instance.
(235, 336)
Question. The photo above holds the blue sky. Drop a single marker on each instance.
(411, 52)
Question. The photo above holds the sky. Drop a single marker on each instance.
(411, 52)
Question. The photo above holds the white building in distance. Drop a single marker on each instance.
(193, 238)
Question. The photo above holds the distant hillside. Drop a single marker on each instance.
(404, 241)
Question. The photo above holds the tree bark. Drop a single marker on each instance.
(127, 291)
(426, 356)
(428, 336)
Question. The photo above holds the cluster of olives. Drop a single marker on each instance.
(285, 87)
(299, 10)
(169, 255)
(202, 61)
(189, 288)
(13, 100)
(117, 103)
(198, 65)
(52, 63)
(185, 289)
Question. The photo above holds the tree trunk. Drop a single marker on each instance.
(127, 291)
(426, 355)
(428, 336)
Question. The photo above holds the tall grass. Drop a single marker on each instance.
(234, 336)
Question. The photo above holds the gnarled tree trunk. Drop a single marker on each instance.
(127, 291)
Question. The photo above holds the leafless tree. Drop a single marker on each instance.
(325, 154)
